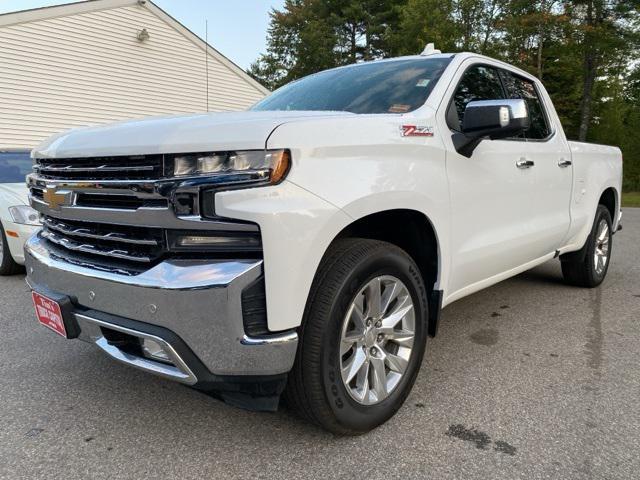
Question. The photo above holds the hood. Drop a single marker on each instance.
(14, 193)
(193, 133)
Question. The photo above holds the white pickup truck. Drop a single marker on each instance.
(307, 246)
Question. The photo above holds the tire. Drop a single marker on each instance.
(581, 269)
(8, 266)
(316, 388)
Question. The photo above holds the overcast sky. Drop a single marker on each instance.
(237, 28)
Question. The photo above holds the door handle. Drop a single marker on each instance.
(564, 163)
(524, 163)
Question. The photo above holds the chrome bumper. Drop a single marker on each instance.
(198, 300)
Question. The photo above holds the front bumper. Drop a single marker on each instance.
(198, 301)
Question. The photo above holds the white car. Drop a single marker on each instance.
(18, 221)
(308, 245)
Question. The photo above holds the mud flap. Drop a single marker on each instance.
(435, 307)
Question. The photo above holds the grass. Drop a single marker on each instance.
(631, 199)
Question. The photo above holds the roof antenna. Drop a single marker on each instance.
(206, 57)
(430, 49)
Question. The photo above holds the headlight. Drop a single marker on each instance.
(268, 165)
(25, 215)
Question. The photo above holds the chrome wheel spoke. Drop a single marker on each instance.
(373, 295)
(401, 337)
(379, 380)
(603, 234)
(390, 293)
(390, 322)
(349, 341)
(362, 381)
(354, 364)
(396, 362)
(356, 313)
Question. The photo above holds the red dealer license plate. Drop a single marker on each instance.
(49, 313)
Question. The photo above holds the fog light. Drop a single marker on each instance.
(202, 240)
(152, 349)
(185, 241)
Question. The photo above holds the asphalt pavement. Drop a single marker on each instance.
(529, 379)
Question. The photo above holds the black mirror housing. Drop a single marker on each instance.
(490, 119)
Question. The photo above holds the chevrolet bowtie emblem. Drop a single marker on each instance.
(55, 198)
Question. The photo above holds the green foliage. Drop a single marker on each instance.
(312, 35)
(585, 51)
(631, 199)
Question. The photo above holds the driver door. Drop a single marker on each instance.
(491, 194)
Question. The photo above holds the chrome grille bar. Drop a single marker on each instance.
(83, 232)
(93, 249)
(137, 167)
(101, 168)
(95, 266)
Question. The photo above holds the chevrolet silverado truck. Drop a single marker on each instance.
(305, 248)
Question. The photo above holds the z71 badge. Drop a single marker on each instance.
(416, 131)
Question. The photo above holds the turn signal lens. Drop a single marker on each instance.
(281, 162)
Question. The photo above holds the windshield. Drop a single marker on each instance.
(14, 166)
(397, 86)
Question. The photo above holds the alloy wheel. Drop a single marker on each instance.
(601, 253)
(377, 339)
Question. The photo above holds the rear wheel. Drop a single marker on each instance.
(8, 266)
(589, 267)
(362, 339)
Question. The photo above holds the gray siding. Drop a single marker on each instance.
(89, 68)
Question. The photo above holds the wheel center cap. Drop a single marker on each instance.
(370, 337)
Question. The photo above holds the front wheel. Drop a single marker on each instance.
(362, 339)
(589, 267)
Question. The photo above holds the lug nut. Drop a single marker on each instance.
(374, 351)
(380, 338)
(378, 324)
(369, 322)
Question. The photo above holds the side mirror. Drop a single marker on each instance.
(490, 119)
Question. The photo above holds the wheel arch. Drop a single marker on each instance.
(415, 233)
(408, 229)
(610, 199)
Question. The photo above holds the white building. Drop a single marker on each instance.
(101, 61)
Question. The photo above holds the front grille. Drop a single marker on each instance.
(133, 197)
(131, 250)
(140, 167)
(105, 243)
